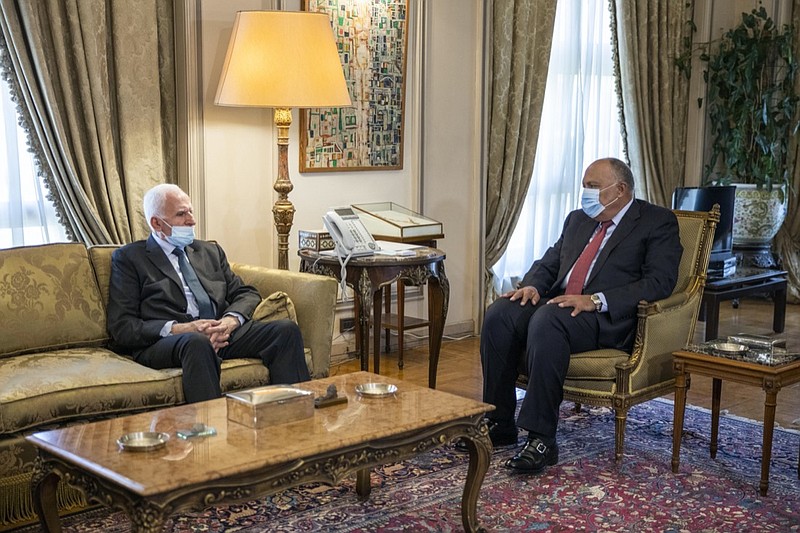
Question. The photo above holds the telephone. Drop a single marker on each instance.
(348, 232)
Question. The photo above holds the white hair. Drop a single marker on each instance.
(156, 198)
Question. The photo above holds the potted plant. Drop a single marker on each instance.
(752, 111)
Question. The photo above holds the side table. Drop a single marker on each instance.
(746, 281)
(400, 322)
(769, 378)
(368, 275)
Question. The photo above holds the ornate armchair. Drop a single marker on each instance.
(617, 379)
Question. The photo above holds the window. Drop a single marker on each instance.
(26, 215)
(579, 124)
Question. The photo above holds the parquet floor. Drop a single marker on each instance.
(460, 369)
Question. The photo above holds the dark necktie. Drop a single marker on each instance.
(581, 268)
(204, 306)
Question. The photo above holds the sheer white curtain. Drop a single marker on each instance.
(26, 215)
(580, 123)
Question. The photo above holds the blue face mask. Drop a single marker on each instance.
(590, 201)
(182, 236)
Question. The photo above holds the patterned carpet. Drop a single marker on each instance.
(586, 491)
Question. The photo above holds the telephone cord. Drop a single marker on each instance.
(343, 281)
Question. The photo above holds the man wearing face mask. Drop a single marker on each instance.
(175, 303)
(581, 295)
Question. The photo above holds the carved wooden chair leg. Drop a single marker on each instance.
(619, 432)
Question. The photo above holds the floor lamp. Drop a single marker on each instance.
(282, 59)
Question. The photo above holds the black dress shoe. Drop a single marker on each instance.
(505, 435)
(533, 457)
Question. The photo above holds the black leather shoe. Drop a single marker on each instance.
(533, 457)
(499, 435)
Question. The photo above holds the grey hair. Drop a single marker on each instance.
(621, 171)
(156, 198)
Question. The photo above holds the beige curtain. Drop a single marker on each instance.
(653, 92)
(787, 241)
(95, 83)
(522, 31)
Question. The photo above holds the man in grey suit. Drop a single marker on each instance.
(581, 295)
(175, 303)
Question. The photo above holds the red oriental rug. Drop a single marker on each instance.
(586, 491)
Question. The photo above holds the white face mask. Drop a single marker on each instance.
(590, 201)
(182, 236)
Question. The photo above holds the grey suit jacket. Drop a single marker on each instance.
(639, 262)
(145, 291)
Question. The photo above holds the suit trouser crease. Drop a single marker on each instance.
(546, 335)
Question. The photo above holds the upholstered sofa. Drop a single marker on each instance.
(56, 367)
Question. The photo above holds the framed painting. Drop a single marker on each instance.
(371, 36)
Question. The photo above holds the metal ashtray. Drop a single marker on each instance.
(376, 390)
(728, 348)
(143, 441)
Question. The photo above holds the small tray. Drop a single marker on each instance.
(728, 348)
(376, 390)
(143, 441)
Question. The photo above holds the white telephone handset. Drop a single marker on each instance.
(348, 232)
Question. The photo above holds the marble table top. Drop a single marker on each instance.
(237, 448)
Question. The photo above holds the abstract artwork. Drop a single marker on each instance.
(371, 36)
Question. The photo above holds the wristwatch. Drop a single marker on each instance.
(598, 303)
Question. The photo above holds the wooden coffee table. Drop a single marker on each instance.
(769, 378)
(240, 463)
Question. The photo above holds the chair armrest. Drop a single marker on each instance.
(660, 306)
(314, 299)
(663, 327)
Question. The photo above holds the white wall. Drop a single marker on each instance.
(439, 177)
(452, 178)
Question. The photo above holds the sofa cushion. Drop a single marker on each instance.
(42, 388)
(596, 364)
(101, 261)
(276, 306)
(53, 288)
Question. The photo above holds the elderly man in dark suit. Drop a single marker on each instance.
(581, 295)
(175, 303)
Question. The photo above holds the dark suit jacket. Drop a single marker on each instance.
(639, 262)
(145, 291)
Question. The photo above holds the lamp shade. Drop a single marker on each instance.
(282, 59)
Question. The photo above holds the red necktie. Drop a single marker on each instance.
(581, 268)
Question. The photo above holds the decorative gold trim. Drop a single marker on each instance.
(149, 513)
(283, 210)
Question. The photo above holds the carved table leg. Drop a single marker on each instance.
(376, 329)
(147, 517)
(770, 402)
(44, 484)
(401, 306)
(779, 313)
(716, 394)
(438, 301)
(387, 307)
(363, 294)
(480, 451)
(363, 486)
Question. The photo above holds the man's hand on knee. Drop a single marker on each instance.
(578, 302)
(524, 295)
